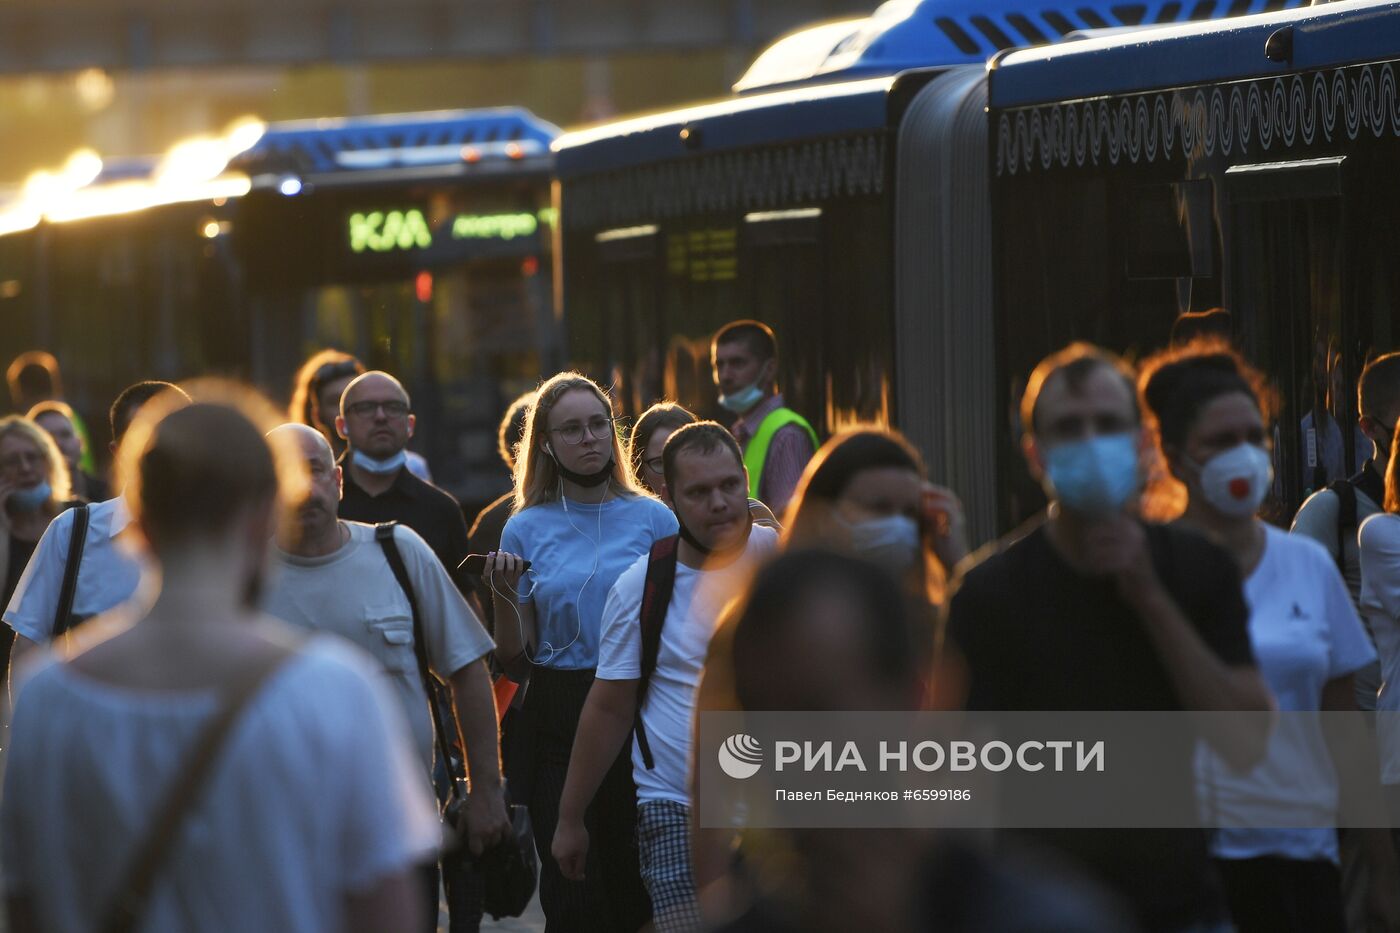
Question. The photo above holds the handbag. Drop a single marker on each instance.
(509, 868)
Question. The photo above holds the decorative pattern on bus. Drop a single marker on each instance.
(759, 179)
(1227, 120)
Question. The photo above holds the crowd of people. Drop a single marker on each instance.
(245, 673)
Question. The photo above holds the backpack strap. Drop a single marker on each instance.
(154, 850)
(456, 770)
(63, 615)
(1345, 491)
(656, 600)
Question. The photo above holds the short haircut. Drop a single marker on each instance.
(1190, 325)
(51, 407)
(703, 437)
(1378, 392)
(131, 399)
(189, 468)
(34, 375)
(55, 467)
(770, 618)
(1074, 364)
(512, 428)
(755, 335)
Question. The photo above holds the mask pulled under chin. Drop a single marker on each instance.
(689, 537)
(370, 465)
(742, 400)
(1236, 481)
(597, 478)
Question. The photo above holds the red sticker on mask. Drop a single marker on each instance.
(1239, 488)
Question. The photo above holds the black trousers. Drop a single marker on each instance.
(611, 898)
(1280, 895)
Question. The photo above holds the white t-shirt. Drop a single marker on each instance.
(352, 592)
(315, 794)
(1380, 601)
(1305, 632)
(107, 575)
(667, 713)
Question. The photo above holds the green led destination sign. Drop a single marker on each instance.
(405, 230)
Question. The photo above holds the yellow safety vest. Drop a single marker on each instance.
(756, 453)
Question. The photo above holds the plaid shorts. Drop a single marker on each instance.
(663, 836)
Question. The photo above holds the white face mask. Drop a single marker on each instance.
(1236, 481)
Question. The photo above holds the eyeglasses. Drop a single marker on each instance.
(654, 464)
(598, 428)
(367, 409)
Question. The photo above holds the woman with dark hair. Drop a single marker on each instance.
(1207, 411)
(648, 440)
(866, 492)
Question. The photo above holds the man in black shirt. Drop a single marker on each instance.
(376, 422)
(1092, 609)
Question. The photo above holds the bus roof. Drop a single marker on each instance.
(832, 109)
(905, 34)
(410, 142)
(1346, 32)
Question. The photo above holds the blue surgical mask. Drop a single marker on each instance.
(891, 541)
(742, 400)
(370, 465)
(1097, 475)
(27, 500)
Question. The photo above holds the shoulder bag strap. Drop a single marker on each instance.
(384, 534)
(1345, 490)
(139, 880)
(656, 600)
(63, 616)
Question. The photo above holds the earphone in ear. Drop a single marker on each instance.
(550, 450)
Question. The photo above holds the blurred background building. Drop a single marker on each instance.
(134, 76)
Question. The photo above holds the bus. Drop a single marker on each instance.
(842, 197)
(1247, 167)
(419, 242)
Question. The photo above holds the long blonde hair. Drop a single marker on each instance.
(537, 478)
(60, 482)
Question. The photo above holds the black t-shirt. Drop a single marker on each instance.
(1038, 635)
(428, 510)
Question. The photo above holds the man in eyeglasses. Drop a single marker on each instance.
(376, 421)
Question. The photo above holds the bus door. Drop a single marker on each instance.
(1286, 291)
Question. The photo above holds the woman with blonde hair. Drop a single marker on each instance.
(580, 520)
(34, 487)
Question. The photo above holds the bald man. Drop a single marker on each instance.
(376, 421)
(333, 576)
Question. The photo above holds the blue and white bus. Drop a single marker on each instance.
(419, 242)
(1247, 165)
(842, 197)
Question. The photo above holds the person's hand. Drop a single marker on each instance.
(946, 527)
(570, 848)
(487, 820)
(505, 568)
(1117, 547)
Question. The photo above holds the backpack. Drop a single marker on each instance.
(656, 600)
(1345, 489)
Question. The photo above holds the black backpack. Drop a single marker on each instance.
(656, 600)
(1347, 522)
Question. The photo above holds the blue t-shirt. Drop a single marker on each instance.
(575, 558)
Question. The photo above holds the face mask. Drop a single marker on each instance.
(742, 400)
(586, 479)
(370, 465)
(892, 541)
(1098, 475)
(27, 500)
(1235, 482)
